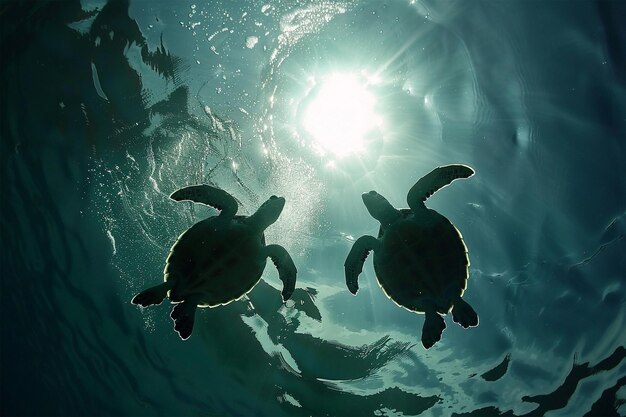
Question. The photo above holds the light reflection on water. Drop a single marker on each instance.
(543, 217)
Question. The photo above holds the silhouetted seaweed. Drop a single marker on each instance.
(161, 61)
(485, 412)
(499, 371)
(559, 398)
(175, 103)
(608, 403)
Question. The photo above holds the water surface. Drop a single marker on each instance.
(109, 106)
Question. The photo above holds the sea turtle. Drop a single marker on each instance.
(219, 259)
(420, 259)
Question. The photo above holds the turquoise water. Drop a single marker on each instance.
(108, 107)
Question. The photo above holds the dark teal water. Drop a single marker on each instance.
(108, 107)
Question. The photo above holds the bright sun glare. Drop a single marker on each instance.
(341, 115)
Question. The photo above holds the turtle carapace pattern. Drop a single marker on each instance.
(219, 259)
(420, 258)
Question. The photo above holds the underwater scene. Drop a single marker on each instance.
(256, 152)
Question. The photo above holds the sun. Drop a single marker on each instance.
(340, 114)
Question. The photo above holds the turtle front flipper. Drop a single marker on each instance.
(286, 268)
(464, 314)
(210, 196)
(151, 296)
(184, 315)
(356, 258)
(433, 181)
(433, 328)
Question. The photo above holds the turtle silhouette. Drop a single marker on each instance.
(420, 258)
(219, 259)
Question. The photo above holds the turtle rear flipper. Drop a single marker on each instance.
(184, 314)
(151, 296)
(464, 314)
(433, 328)
(433, 181)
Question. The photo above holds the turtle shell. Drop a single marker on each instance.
(422, 259)
(217, 258)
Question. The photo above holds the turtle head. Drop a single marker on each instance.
(268, 213)
(380, 208)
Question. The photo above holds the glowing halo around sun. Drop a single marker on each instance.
(341, 113)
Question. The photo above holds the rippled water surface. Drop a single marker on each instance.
(109, 106)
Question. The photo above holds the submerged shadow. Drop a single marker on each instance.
(295, 369)
(607, 405)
